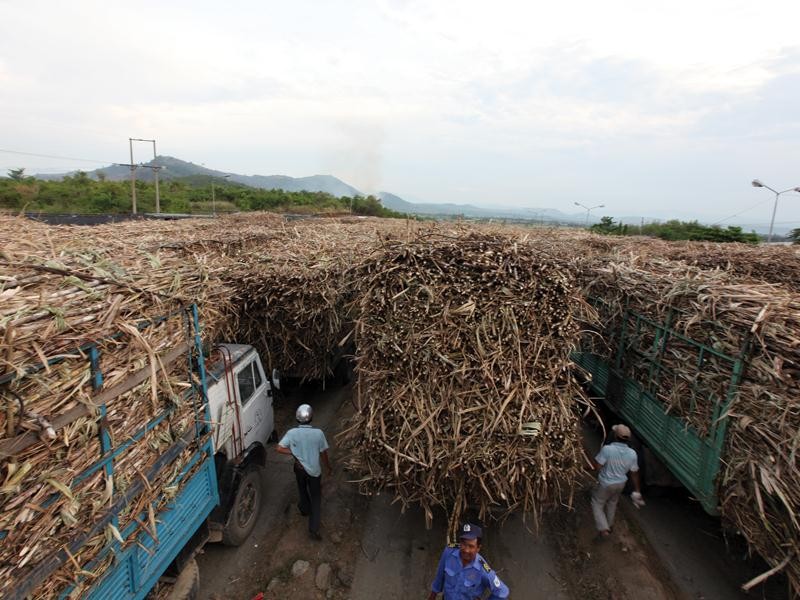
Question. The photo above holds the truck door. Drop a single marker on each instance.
(255, 395)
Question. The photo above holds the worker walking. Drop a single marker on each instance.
(310, 450)
(463, 574)
(614, 462)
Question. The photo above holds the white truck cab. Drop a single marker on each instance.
(239, 399)
(240, 403)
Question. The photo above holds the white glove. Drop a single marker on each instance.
(637, 499)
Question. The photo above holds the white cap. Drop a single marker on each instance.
(622, 431)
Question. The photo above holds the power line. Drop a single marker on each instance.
(765, 224)
(41, 169)
(89, 160)
(741, 212)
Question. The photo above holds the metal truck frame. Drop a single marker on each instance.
(694, 458)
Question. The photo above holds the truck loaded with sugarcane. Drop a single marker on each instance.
(704, 366)
(114, 495)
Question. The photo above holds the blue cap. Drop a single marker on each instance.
(469, 532)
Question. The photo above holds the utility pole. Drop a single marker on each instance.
(158, 198)
(133, 176)
(133, 179)
(133, 168)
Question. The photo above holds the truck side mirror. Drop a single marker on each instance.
(276, 379)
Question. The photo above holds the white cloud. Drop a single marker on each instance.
(446, 99)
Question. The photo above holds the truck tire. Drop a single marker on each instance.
(187, 584)
(245, 509)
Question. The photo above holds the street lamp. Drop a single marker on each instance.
(757, 183)
(588, 210)
(213, 196)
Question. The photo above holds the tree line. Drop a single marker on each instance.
(675, 230)
(81, 194)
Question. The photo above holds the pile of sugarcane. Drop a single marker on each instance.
(293, 294)
(464, 396)
(66, 293)
(664, 292)
(285, 282)
(772, 264)
(736, 299)
(760, 322)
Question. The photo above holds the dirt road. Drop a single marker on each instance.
(372, 550)
(280, 536)
(399, 556)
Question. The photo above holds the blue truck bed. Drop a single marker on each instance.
(132, 560)
(137, 569)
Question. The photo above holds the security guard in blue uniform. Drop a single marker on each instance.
(463, 574)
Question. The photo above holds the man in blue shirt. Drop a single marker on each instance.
(614, 462)
(463, 574)
(310, 449)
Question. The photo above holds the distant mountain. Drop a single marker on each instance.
(174, 168)
(171, 168)
(397, 203)
(315, 183)
(467, 210)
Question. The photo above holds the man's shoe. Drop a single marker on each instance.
(314, 535)
(302, 512)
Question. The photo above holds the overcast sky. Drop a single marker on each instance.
(649, 107)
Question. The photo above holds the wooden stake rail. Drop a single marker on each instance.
(14, 446)
(45, 568)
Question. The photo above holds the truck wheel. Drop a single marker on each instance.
(187, 585)
(245, 509)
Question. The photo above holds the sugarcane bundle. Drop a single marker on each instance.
(153, 233)
(772, 264)
(62, 279)
(464, 395)
(293, 294)
(286, 282)
(68, 292)
(713, 308)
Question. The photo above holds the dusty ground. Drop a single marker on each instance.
(375, 551)
(281, 536)
(620, 566)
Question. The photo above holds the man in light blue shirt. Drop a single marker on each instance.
(310, 450)
(614, 461)
(463, 574)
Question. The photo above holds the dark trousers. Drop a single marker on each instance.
(310, 496)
